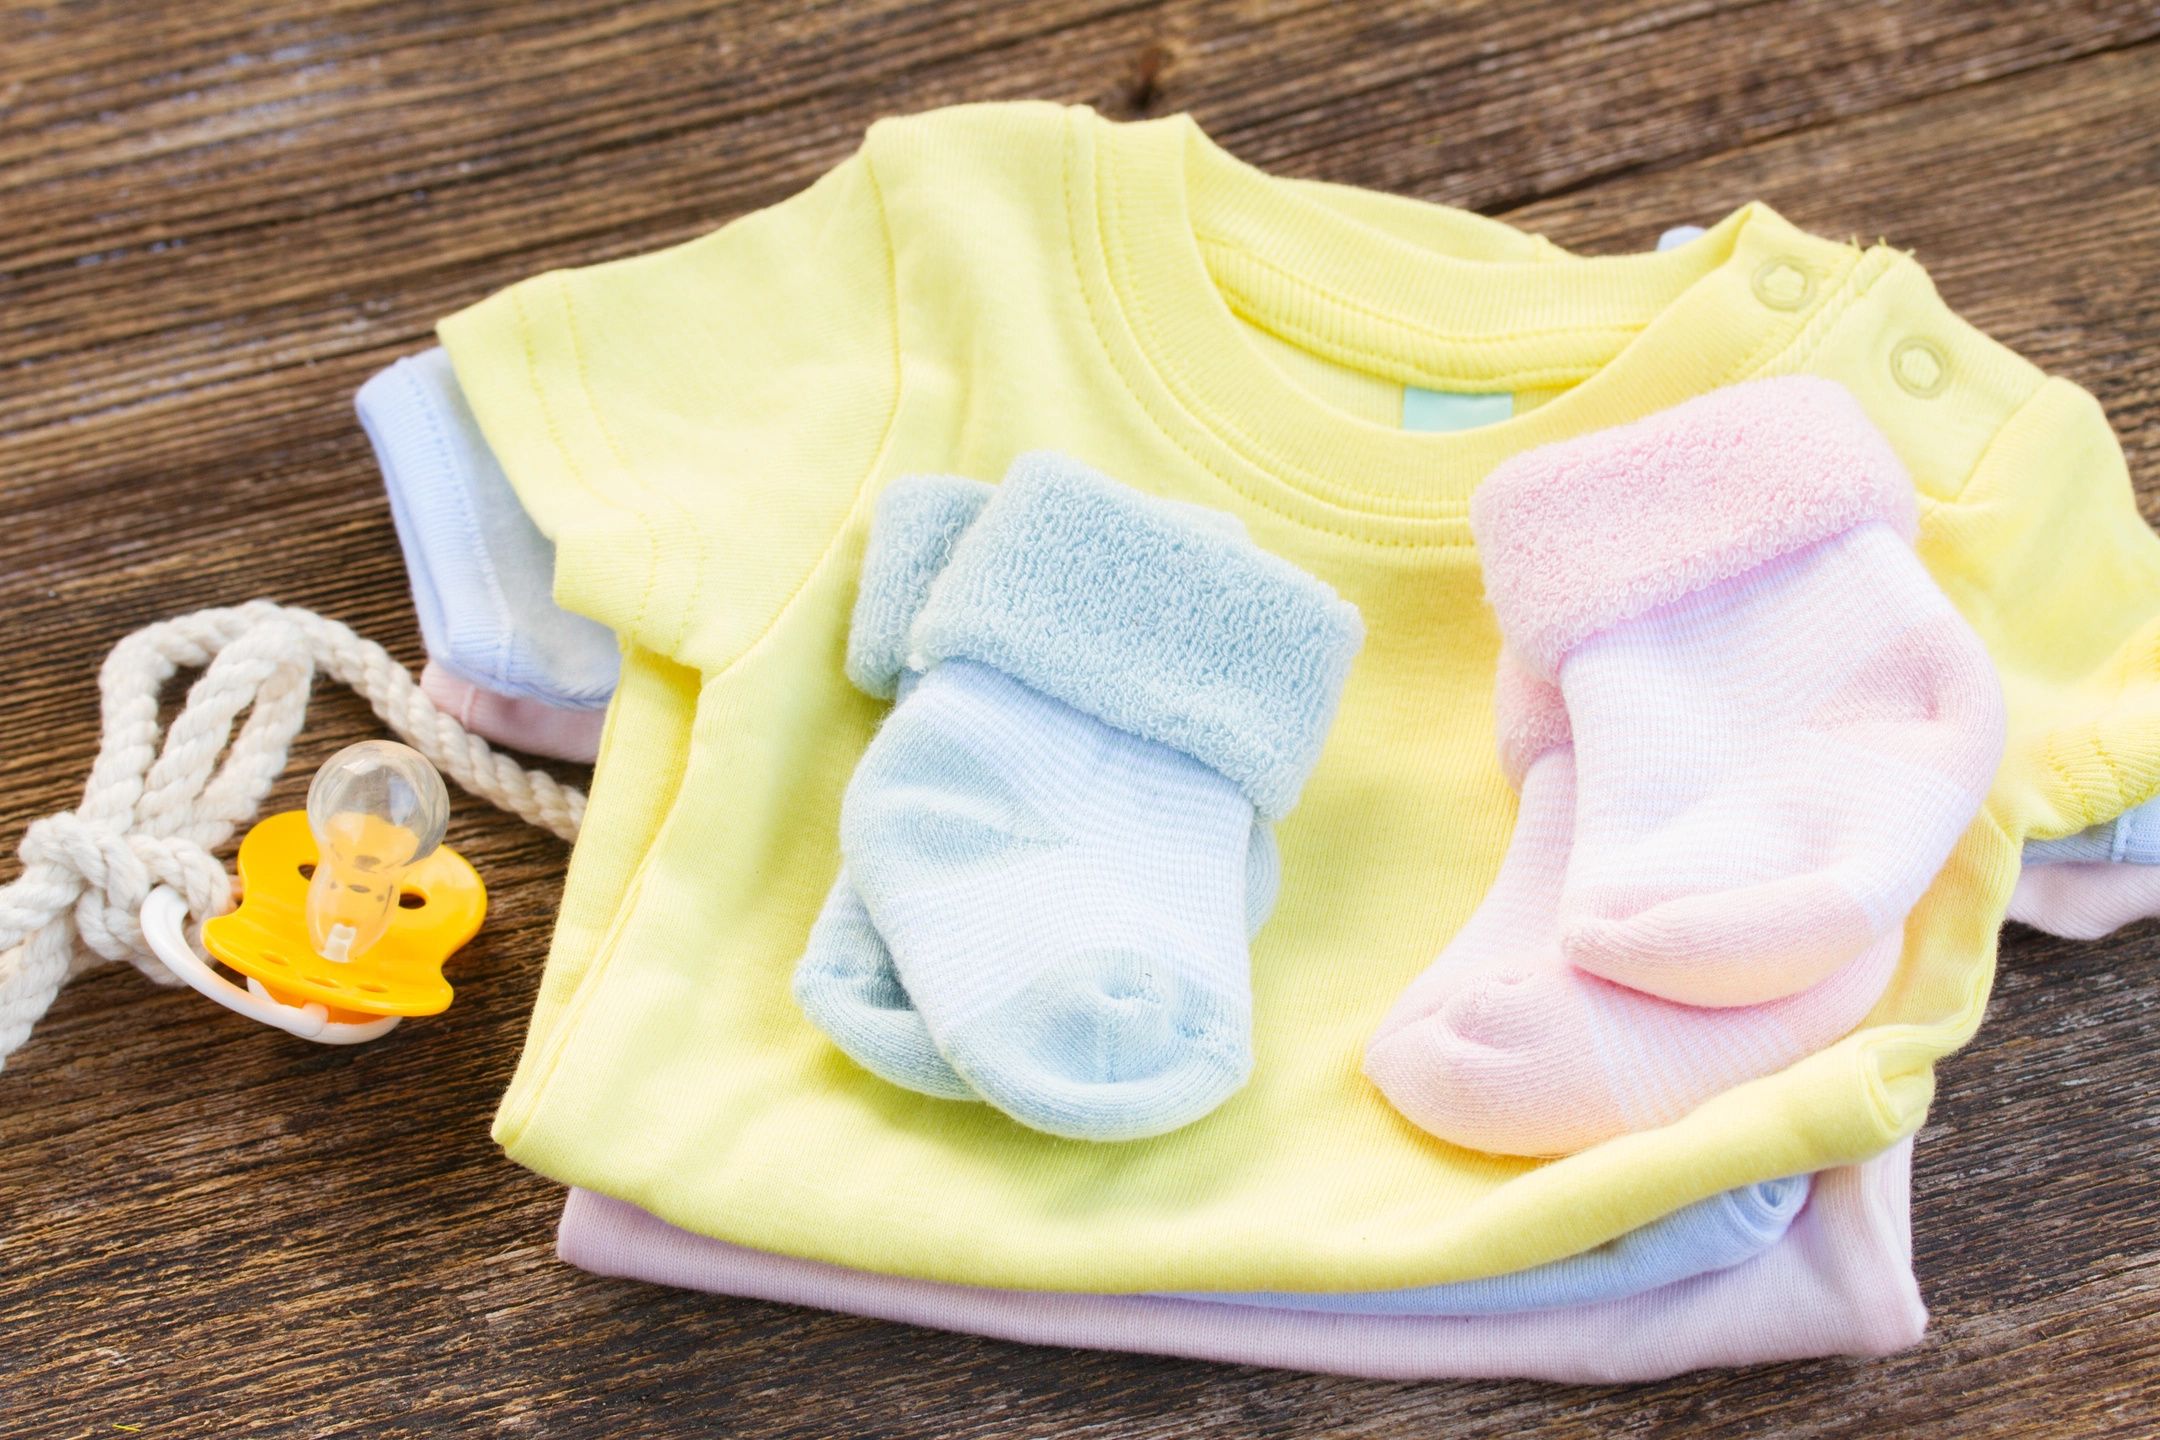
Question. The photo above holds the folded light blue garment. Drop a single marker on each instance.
(1708, 1236)
(2131, 838)
(482, 574)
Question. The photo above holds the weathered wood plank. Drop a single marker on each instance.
(214, 221)
(1433, 86)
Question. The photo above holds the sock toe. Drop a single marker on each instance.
(1109, 1045)
(1549, 1060)
(846, 985)
(1492, 1068)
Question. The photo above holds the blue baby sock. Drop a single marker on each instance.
(482, 574)
(1052, 832)
(848, 986)
(846, 982)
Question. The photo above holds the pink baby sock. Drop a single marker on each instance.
(1502, 1045)
(1781, 725)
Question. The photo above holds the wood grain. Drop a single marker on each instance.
(216, 219)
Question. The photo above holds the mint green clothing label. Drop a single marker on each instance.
(1450, 410)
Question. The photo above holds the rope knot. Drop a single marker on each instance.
(159, 802)
(102, 870)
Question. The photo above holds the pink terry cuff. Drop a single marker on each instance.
(1579, 536)
(1530, 716)
(517, 721)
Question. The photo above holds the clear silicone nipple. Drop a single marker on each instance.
(377, 809)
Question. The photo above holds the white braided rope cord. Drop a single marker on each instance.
(152, 816)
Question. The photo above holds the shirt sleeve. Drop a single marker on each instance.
(692, 427)
(2047, 552)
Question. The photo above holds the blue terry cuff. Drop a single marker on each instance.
(919, 519)
(1135, 611)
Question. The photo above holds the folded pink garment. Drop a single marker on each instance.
(1840, 1282)
(2085, 900)
(515, 720)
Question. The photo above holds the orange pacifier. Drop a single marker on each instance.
(348, 909)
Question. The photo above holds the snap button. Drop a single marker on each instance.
(1920, 367)
(1783, 283)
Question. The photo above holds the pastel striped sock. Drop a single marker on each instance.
(848, 986)
(1052, 832)
(1502, 1045)
(1781, 725)
(846, 982)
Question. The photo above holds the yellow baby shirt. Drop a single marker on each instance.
(703, 433)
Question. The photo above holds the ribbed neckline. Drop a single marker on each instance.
(1188, 241)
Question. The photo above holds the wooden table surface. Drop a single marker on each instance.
(216, 219)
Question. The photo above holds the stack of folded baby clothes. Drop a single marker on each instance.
(1434, 821)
